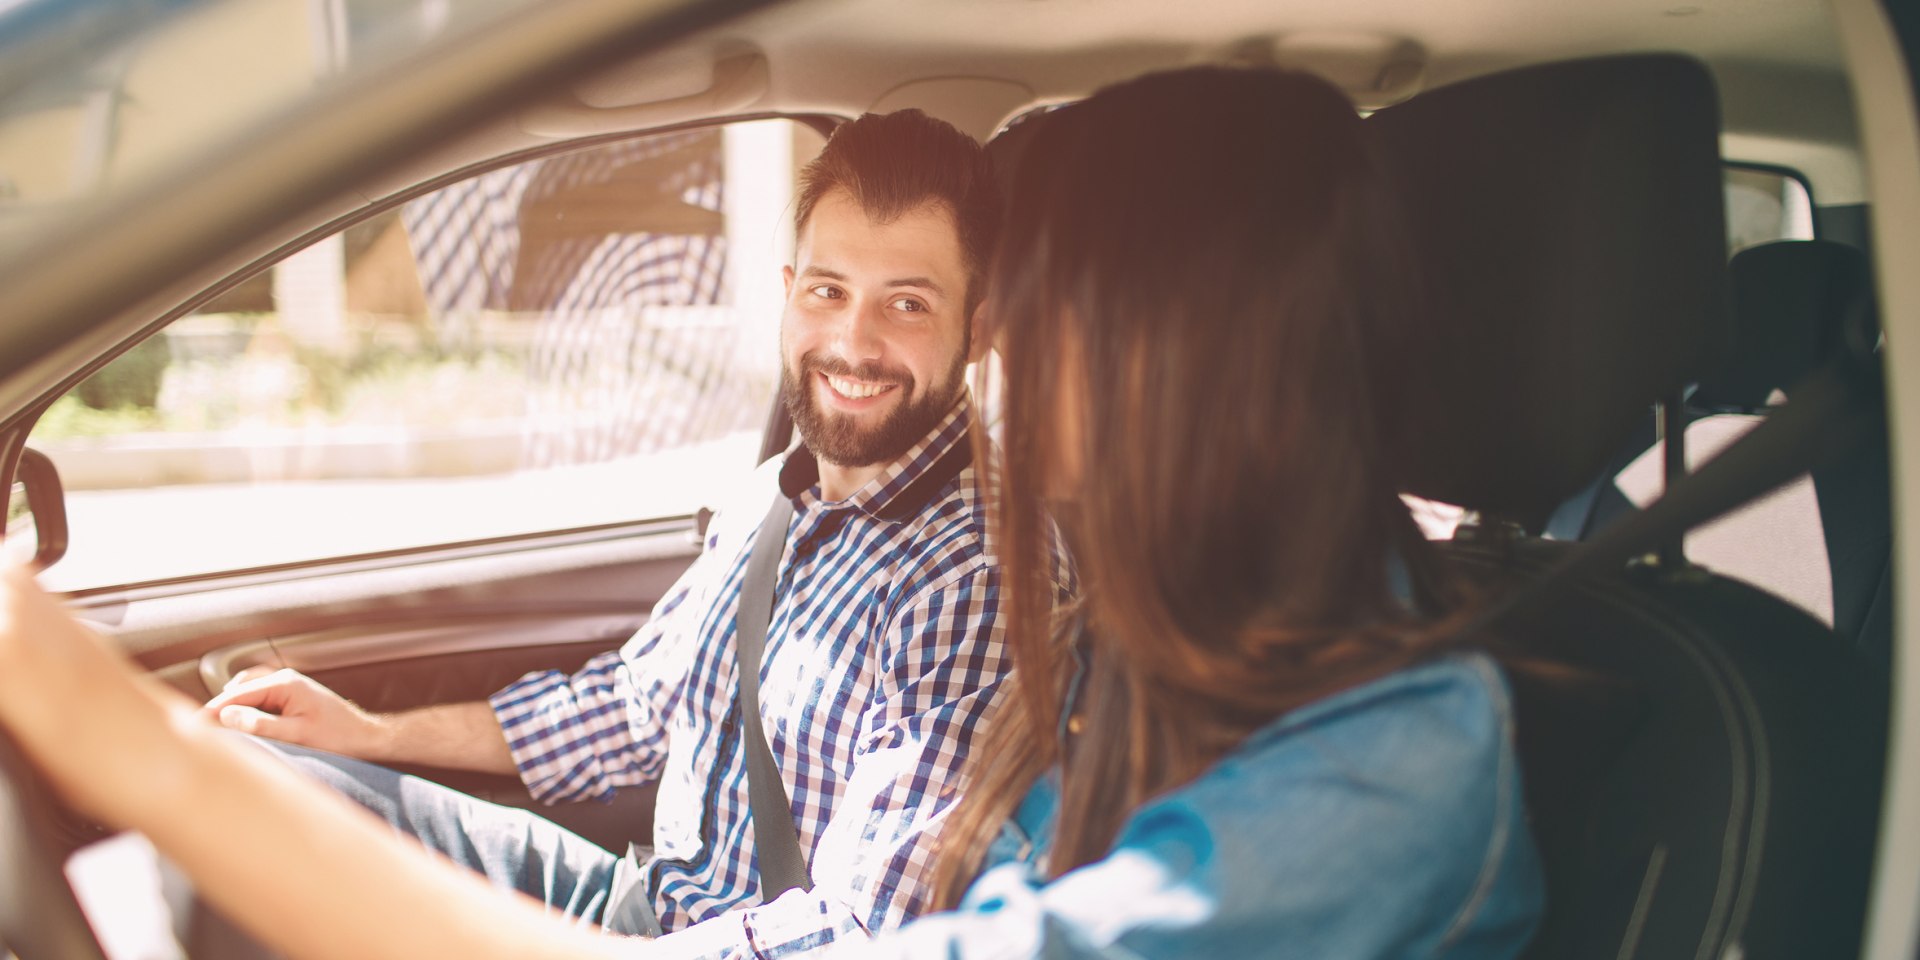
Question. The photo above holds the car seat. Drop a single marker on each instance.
(1703, 759)
(1825, 543)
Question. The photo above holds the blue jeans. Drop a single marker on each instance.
(513, 848)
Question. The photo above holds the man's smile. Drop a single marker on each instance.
(847, 388)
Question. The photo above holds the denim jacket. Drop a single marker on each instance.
(1384, 821)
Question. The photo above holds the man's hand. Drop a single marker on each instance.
(289, 706)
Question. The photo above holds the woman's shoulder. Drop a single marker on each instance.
(1398, 797)
(1384, 820)
(1464, 693)
(1434, 734)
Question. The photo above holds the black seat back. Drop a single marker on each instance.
(1703, 759)
(1797, 304)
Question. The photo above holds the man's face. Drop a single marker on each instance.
(873, 341)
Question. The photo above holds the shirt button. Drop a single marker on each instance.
(1075, 724)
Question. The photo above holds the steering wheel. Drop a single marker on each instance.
(39, 917)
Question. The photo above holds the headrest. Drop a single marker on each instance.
(1568, 221)
(1008, 148)
(1792, 301)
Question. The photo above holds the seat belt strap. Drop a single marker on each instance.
(1830, 413)
(778, 859)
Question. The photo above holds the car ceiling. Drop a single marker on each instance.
(1026, 37)
(974, 62)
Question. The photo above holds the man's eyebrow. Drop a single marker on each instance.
(921, 282)
(924, 283)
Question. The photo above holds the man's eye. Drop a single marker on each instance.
(826, 292)
(909, 305)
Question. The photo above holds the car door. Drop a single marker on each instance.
(464, 433)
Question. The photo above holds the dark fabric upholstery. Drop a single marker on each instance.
(1702, 764)
(1789, 301)
(1857, 514)
(1797, 303)
(1703, 760)
(1571, 214)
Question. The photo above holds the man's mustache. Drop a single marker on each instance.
(871, 372)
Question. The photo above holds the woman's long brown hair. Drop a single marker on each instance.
(1204, 264)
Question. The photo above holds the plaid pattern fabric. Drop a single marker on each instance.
(882, 655)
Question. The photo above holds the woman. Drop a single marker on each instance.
(1248, 738)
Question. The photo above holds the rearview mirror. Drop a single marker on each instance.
(36, 512)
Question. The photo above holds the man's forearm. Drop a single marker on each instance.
(458, 736)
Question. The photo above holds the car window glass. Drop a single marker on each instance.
(575, 340)
(1764, 205)
(98, 96)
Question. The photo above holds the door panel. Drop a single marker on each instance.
(433, 627)
(578, 586)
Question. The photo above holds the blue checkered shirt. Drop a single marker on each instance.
(882, 655)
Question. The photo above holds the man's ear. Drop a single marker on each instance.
(786, 282)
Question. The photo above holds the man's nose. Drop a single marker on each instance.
(858, 336)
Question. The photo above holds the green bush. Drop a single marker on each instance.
(131, 380)
(69, 418)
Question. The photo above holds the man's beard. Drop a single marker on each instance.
(835, 438)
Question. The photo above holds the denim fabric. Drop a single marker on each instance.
(512, 848)
(1385, 821)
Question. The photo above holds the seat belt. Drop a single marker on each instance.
(779, 861)
(1830, 413)
(781, 864)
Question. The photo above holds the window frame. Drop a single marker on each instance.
(1789, 173)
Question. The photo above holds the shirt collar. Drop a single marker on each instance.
(908, 482)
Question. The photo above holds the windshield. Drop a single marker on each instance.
(97, 96)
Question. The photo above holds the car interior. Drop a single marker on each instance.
(1707, 686)
(1797, 303)
(1678, 728)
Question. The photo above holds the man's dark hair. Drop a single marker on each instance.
(892, 163)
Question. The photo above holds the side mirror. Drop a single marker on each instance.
(36, 511)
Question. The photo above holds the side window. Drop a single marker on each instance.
(1764, 205)
(580, 339)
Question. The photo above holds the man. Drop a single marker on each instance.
(881, 654)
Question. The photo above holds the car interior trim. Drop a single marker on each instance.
(448, 635)
(1890, 133)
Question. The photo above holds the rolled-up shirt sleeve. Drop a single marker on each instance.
(871, 865)
(583, 735)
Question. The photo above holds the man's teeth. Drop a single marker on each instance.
(855, 390)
